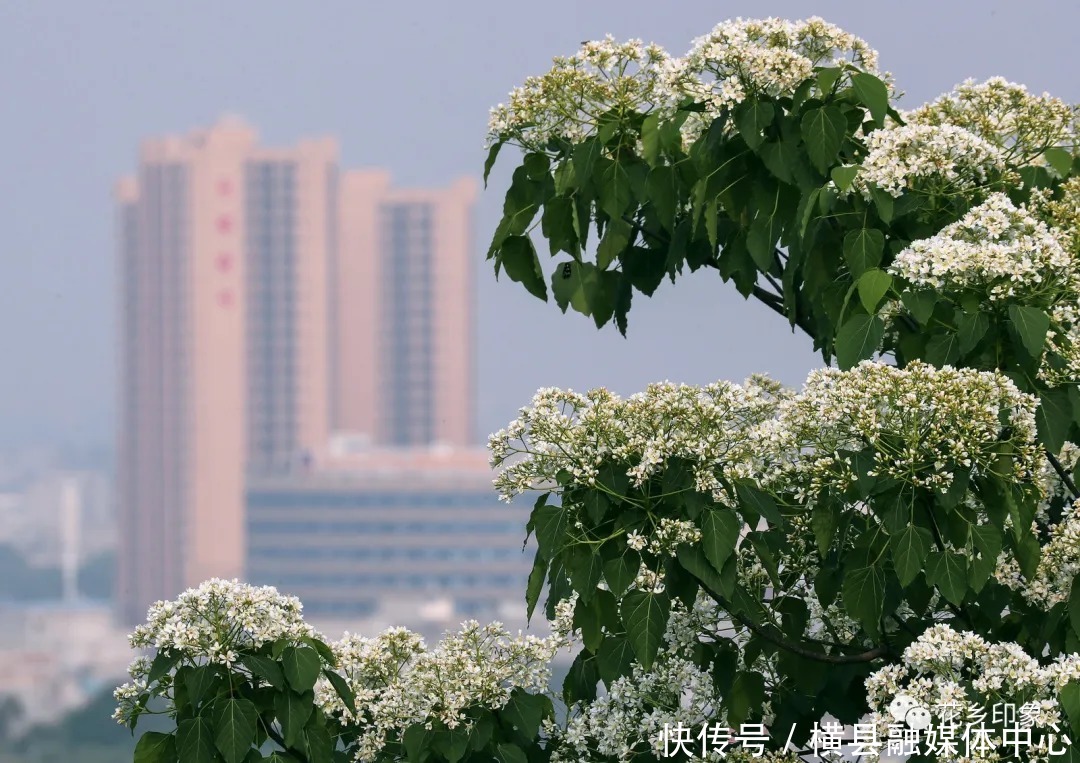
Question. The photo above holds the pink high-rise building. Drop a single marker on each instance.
(404, 306)
(266, 304)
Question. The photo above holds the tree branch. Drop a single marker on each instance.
(775, 302)
(833, 659)
(1063, 474)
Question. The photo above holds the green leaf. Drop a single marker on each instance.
(909, 550)
(293, 711)
(537, 166)
(774, 207)
(645, 268)
(948, 571)
(970, 329)
(1060, 159)
(823, 131)
(1031, 325)
(824, 520)
(844, 176)
(584, 567)
(920, 304)
(650, 138)
(523, 199)
(527, 711)
(873, 285)
(264, 668)
(302, 666)
(873, 92)
(163, 663)
(341, 686)
(759, 502)
(615, 190)
(452, 744)
(864, 596)
(1070, 700)
(884, 202)
(550, 523)
(234, 725)
(662, 188)
(620, 571)
(779, 157)
(943, 349)
(863, 249)
(281, 757)
(536, 583)
(510, 753)
(317, 744)
(559, 227)
(199, 681)
(1074, 607)
(591, 616)
(719, 536)
(752, 117)
(194, 741)
(693, 560)
(417, 740)
(858, 339)
(322, 648)
(493, 154)
(582, 286)
(645, 616)
(518, 257)
(827, 76)
(614, 659)
(746, 696)
(155, 747)
(616, 239)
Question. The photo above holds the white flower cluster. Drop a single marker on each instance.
(1059, 564)
(928, 159)
(713, 427)
(944, 670)
(669, 535)
(604, 78)
(220, 617)
(629, 719)
(1061, 211)
(739, 58)
(751, 57)
(1004, 113)
(398, 681)
(997, 249)
(211, 624)
(922, 422)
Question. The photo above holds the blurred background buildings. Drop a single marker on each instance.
(297, 408)
(269, 302)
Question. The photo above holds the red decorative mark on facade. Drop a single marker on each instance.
(225, 298)
(224, 224)
(224, 262)
(224, 187)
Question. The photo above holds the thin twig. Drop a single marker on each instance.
(1063, 474)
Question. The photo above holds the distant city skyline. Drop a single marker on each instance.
(406, 87)
(267, 301)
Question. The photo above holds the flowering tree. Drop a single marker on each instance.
(744, 570)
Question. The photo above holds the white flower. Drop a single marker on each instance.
(927, 158)
(604, 78)
(1004, 113)
(398, 681)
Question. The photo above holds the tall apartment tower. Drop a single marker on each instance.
(404, 311)
(225, 256)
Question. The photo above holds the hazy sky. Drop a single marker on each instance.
(406, 85)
